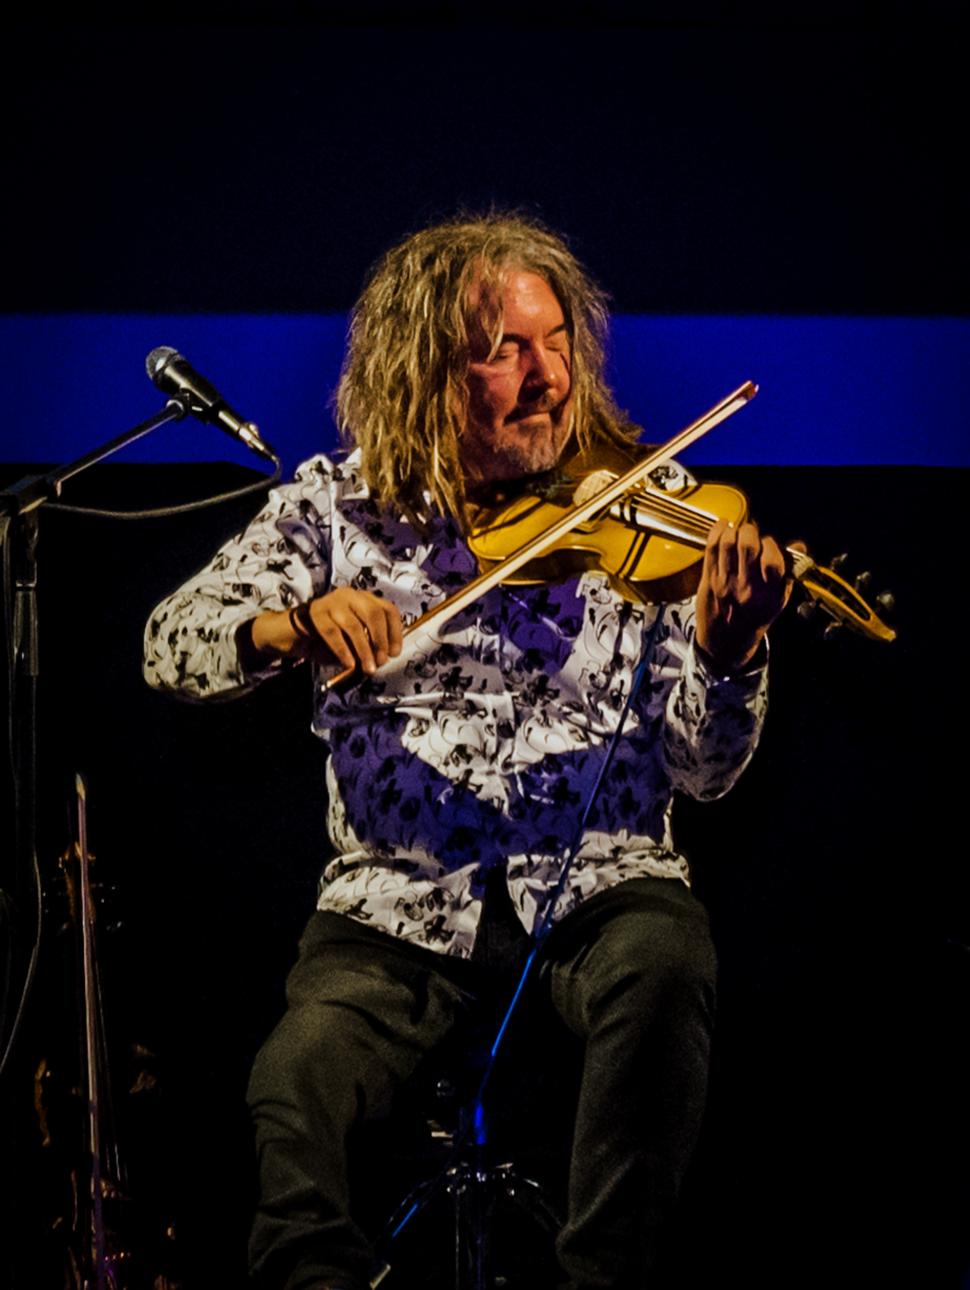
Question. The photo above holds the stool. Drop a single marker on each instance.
(501, 1222)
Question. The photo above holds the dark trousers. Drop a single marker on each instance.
(630, 972)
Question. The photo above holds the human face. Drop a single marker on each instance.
(519, 409)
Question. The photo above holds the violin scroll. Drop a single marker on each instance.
(842, 602)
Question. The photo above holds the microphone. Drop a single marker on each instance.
(168, 370)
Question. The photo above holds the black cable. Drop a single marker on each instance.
(545, 926)
(475, 1124)
(161, 512)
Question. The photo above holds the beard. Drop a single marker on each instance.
(517, 447)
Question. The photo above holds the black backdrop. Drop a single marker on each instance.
(706, 157)
(716, 158)
(834, 875)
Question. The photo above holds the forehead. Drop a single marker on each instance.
(520, 298)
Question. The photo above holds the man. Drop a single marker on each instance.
(459, 772)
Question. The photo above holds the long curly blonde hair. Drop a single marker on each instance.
(403, 398)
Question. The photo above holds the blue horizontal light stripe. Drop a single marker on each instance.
(834, 390)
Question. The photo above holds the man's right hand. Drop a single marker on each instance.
(354, 628)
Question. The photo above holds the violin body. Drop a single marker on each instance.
(650, 541)
(645, 564)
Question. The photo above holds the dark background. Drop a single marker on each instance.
(704, 159)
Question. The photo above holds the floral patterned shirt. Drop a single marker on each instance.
(478, 748)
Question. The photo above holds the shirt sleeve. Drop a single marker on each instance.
(281, 559)
(713, 723)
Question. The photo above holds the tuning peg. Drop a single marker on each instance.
(831, 631)
(886, 601)
(838, 561)
(863, 581)
(807, 610)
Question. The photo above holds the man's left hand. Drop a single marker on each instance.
(744, 586)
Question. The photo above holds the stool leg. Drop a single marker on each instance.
(473, 1203)
(530, 1196)
(474, 1188)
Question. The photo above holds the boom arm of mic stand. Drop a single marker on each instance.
(34, 490)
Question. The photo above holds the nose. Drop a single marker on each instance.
(542, 373)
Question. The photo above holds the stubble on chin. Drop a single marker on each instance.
(513, 452)
(522, 453)
(531, 458)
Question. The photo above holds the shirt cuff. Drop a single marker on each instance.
(748, 677)
(252, 664)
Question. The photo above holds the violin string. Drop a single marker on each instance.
(674, 512)
(672, 507)
(693, 521)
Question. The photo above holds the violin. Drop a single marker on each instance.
(650, 542)
(108, 1241)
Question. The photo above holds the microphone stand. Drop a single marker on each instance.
(20, 506)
